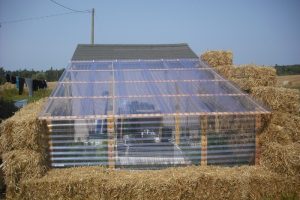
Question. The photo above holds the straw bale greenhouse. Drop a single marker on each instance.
(148, 107)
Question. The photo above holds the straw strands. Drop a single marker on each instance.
(217, 58)
(173, 183)
(24, 146)
(278, 99)
(283, 159)
(248, 76)
(23, 130)
(22, 164)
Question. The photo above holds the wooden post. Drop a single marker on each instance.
(111, 141)
(257, 145)
(203, 124)
(49, 156)
(121, 130)
(177, 117)
(217, 124)
(111, 125)
(177, 129)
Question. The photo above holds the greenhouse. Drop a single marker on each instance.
(148, 107)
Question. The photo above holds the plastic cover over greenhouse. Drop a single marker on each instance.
(148, 107)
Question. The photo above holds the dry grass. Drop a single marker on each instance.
(7, 86)
(51, 85)
(290, 81)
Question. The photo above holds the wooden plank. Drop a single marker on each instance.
(177, 129)
(154, 115)
(148, 81)
(146, 96)
(111, 142)
(203, 125)
(138, 69)
(217, 123)
(257, 144)
(121, 128)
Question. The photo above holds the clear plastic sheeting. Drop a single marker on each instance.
(150, 114)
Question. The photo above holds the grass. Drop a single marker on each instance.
(13, 94)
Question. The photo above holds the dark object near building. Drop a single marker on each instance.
(13, 79)
(7, 108)
(7, 77)
(21, 85)
(35, 85)
(166, 134)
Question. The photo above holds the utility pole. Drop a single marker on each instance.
(92, 28)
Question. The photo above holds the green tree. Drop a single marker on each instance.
(39, 76)
(2, 75)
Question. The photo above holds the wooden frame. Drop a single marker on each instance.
(203, 126)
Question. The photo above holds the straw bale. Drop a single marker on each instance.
(225, 70)
(22, 164)
(256, 72)
(24, 130)
(248, 76)
(1, 180)
(289, 123)
(173, 183)
(282, 159)
(248, 83)
(278, 99)
(276, 133)
(217, 58)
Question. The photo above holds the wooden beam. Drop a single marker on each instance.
(257, 144)
(217, 123)
(150, 69)
(146, 96)
(111, 142)
(177, 129)
(148, 81)
(154, 115)
(203, 125)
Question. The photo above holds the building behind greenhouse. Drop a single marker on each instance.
(148, 107)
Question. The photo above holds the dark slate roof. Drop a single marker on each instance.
(132, 51)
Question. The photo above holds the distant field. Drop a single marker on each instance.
(290, 81)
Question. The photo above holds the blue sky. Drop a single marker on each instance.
(265, 32)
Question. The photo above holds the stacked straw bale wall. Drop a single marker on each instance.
(278, 99)
(24, 146)
(245, 76)
(174, 183)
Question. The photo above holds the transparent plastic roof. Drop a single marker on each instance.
(131, 88)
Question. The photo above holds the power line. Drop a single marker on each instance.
(55, 2)
(40, 18)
